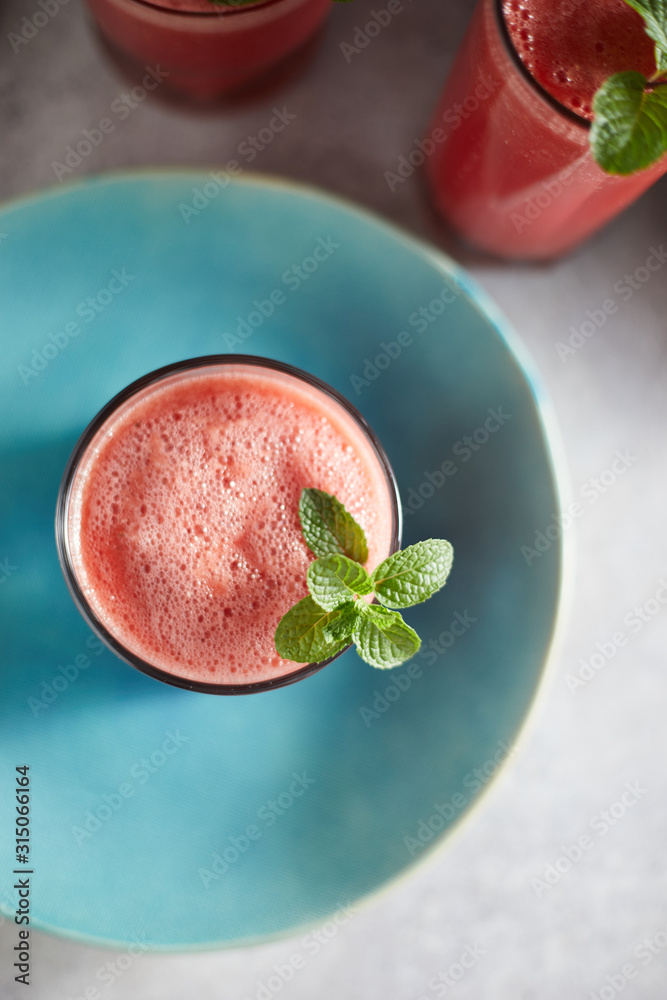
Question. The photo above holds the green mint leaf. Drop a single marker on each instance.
(629, 131)
(332, 580)
(382, 637)
(328, 528)
(341, 628)
(302, 633)
(413, 574)
(654, 14)
(334, 614)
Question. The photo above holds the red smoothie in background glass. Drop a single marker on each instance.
(182, 527)
(510, 165)
(209, 50)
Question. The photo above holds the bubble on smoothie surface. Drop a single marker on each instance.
(187, 538)
(572, 46)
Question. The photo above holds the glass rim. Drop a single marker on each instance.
(74, 462)
(510, 48)
(221, 11)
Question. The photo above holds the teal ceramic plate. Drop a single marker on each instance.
(186, 820)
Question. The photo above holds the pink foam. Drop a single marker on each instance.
(184, 516)
(572, 46)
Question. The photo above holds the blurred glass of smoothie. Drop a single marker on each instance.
(178, 527)
(508, 155)
(208, 50)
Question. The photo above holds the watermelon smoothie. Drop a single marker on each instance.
(178, 527)
(209, 50)
(510, 165)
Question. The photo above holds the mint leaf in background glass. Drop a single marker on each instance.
(382, 637)
(328, 528)
(413, 574)
(654, 15)
(301, 634)
(629, 132)
(335, 579)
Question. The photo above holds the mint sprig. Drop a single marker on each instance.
(382, 637)
(654, 15)
(630, 127)
(629, 130)
(342, 627)
(336, 579)
(329, 529)
(413, 575)
(302, 633)
(336, 611)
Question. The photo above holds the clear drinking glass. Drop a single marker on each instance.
(205, 50)
(509, 166)
(83, 458)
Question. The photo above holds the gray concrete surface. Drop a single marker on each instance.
(573, 939)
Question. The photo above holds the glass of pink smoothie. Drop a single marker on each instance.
(207, 50)
(508, 156)
(177, 521)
